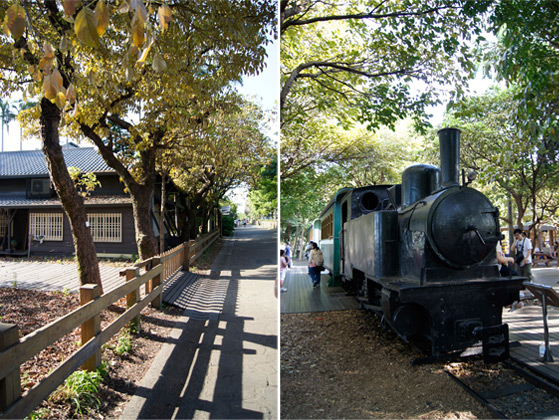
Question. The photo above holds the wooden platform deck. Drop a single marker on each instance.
(526, 327)
(302, 297)
(51, 276)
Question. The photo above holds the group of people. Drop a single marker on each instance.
(315, 263)
(521, 264)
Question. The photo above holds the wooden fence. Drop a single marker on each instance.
(15, 351)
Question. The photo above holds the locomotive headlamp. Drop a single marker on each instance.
(471, 176)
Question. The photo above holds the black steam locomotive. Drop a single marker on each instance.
(422, 254)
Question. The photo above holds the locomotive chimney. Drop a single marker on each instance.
(449, 156)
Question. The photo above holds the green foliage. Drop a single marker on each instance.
(228, 225)
(526, 56)
(41, 413)
(350, 157)
(85, 182)
(359, 62)
(263, 197)
(81, 390)
(511, 160)
(124, 343)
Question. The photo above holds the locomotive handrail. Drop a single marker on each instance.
(548, 296)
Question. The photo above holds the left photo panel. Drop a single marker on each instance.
(139, 209)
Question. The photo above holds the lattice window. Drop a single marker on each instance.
(105, 227)
(3, 222)
(49, 225)
(327, 227)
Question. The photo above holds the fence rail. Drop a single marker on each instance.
(15, 351)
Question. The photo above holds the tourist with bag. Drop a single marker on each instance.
(523, 259)
(315, 265)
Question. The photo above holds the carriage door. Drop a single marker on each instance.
(343, 220)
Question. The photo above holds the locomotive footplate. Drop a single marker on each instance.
(445, 318)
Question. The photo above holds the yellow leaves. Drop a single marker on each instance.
(35, 73)
(48, 51)
(159, 65)
(65, 44)
(52, 84)
(60, 100)
(144, 55)
(14, 21)
(137, 30)
(90, 25)
(164, 16)
(70, 7)
(102, 14)
(86, 27)
(71, 94)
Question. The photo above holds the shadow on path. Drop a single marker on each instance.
(201, 372)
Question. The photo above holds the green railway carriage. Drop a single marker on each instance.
(330, 237)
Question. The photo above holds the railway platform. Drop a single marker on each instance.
(526, 327)
(302, 297)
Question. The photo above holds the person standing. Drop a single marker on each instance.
(315, 265)
(283, 269)
(523, 259)
(288, 254)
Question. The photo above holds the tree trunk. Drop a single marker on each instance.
(72, 202)
(162, 216)
(141, 191)
(142, 210)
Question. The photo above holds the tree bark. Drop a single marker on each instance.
(162, 216)
(72, 202)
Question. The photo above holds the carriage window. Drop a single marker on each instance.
(327, 227)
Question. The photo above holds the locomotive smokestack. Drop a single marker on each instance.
(449, 156)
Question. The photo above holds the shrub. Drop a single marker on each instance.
(228, 225)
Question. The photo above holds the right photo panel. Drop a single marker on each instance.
(418, 209)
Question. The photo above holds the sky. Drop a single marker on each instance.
(263, 88)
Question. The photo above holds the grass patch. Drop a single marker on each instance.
(81, 390)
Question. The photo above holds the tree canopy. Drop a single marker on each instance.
(96, 64)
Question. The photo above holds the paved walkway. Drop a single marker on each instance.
(222, 363)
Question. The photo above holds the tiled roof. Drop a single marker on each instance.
(32, 162)
(96, 200)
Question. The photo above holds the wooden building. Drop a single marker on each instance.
(31, 213)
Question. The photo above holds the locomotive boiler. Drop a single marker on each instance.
(422, 255)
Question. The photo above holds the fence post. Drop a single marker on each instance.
(156, 281)
(186, 256)
(10, 386)
(132, 298)
(91, 327)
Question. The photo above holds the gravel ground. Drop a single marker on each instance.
(341, 364)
